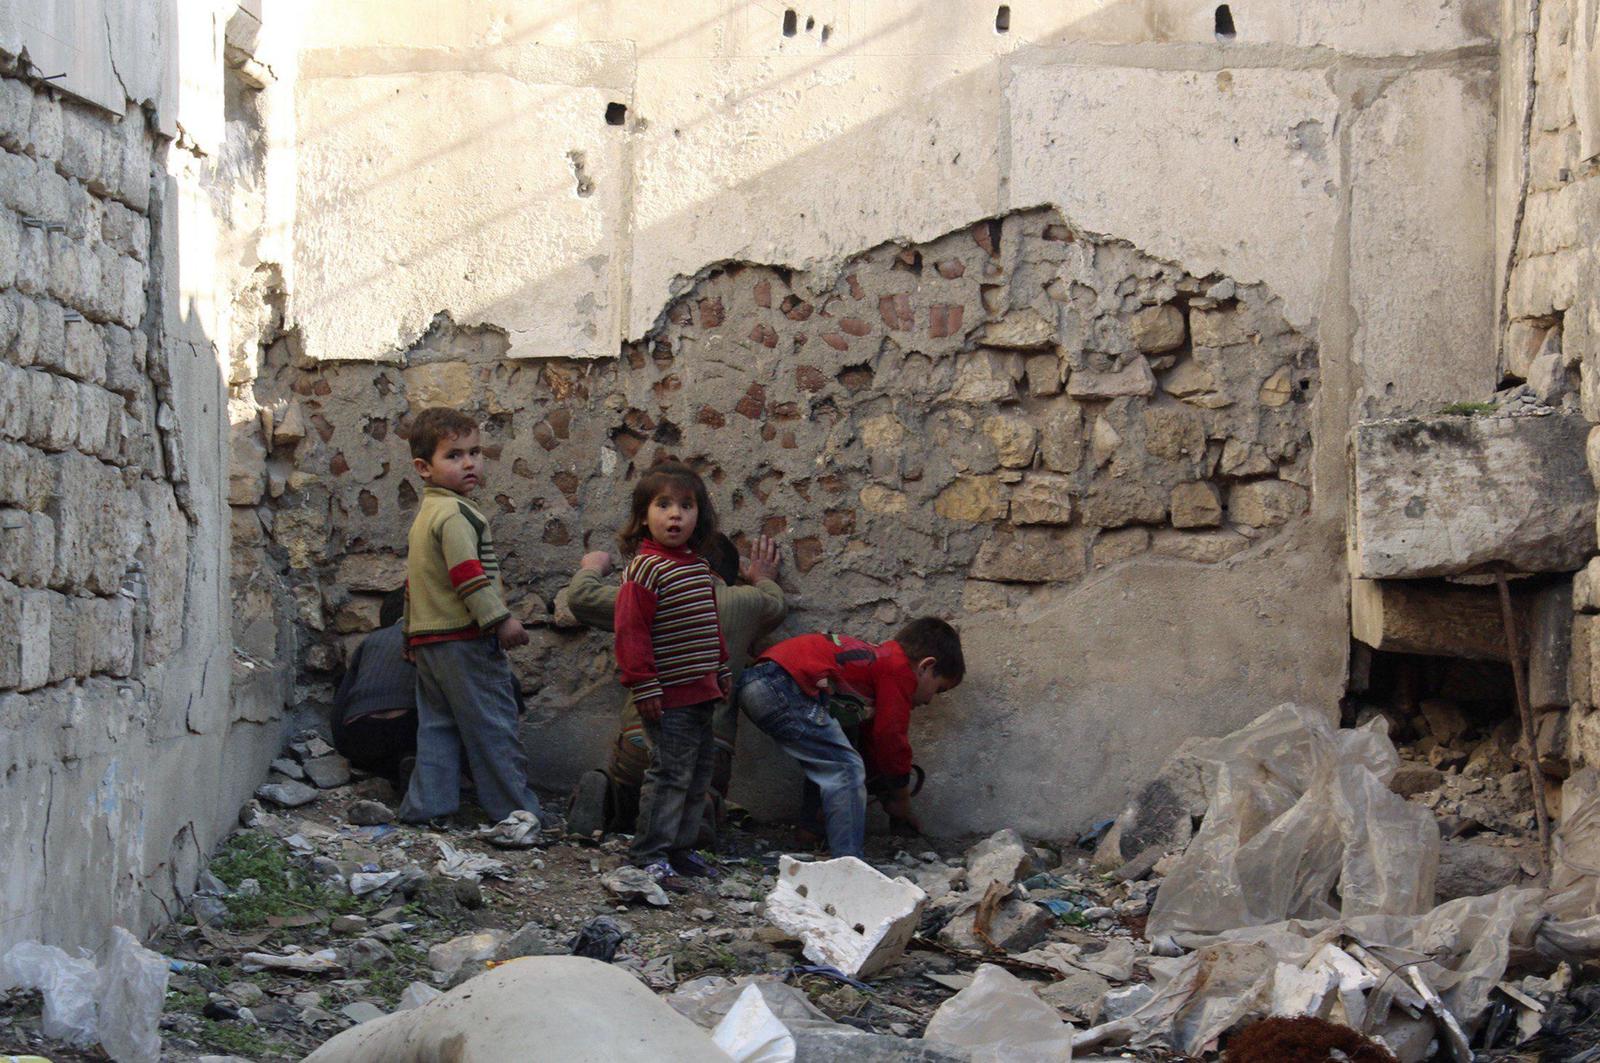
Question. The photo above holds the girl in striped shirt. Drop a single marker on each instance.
(671, 655)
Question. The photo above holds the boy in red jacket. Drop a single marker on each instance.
(785, 693)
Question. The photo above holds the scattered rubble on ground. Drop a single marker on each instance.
(1387, 902)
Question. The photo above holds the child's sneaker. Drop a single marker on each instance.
(691, 865)
(662, 872)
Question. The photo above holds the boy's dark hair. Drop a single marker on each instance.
(723, 557)
(435, 424)
(928, 636)
(660, 477)
(393, 607)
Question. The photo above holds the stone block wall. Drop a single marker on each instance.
(964, 426)
(1551, 337)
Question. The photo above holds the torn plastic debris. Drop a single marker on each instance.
(848, 914)
(457, 864)
(117, 1004)
(630, 883)
(520, 830)
(294, 958)
(999, 1019)
(598, 940)
(1301, 812)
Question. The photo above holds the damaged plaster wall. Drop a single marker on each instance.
(1550, 308)
(125, 751)
(1064, 443)
(566, 182)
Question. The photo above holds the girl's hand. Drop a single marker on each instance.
(649, 709)
(726, 686)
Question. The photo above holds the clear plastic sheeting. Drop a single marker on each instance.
(1301, 825)
(1211, 991)
(117, 1005)
(999, 1019)
(751, 1033)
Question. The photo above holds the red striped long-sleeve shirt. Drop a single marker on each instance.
(669, 641)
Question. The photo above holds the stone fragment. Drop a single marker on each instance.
(1470, 868)
(1445, 720)
(375, 573)
(369, 813)
(1031, 555)
(367, 952)
(1266, 503)
(348, 924)
(1205, 547)
(1187, 379)
(875, 498)
(1450, 494)
(327, 771)
(1077, 995)
(1061, 437)
(1195, 505)
(1432, 618)
(1042, 498)
(1412, 778)
(973, 499)
(1113, 546)
(1158, 328)
(1133, 379)
(1024, 328)
(1015, 440)
(555, 1007)
(1002, 857)
(417, 994)
(1044, 375)
(846, 913)
(1551, 734)
(447, 957)
(532, 939)
(1277, 389)
(1586, 588)
(287, 794)
(290, 767)
(1016, 926)
(982, 378)
(1114, 503)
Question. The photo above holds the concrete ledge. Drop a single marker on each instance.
(1454, 494)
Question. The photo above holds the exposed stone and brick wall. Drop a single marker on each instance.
(1552, 305)
(945, 427)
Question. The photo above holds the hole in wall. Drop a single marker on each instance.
(616, 113)
(1002, 19)
(791, 23)
(811, 23)
(827, 32)
(1223, 21)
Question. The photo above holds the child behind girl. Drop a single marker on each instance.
(671, 654)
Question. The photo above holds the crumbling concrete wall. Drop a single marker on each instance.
(1071, 447)
(1550, 147)
(124, 753)
(548, 181)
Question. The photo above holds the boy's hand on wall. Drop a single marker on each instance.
(649, 709)
(762, 562)
(596, 561)
(511, 633)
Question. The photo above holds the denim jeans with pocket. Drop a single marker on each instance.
(802, 726)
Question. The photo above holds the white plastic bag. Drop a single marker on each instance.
(132, 990)
(751, 1033)
(68, 985)
(1301, 825)
(1000, 1019)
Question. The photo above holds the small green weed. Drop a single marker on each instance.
(285, 887)
(1470, 409)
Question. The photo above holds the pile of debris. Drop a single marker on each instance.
(1279, 886)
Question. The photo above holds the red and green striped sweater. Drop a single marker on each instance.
(452, 572)
(669, 640)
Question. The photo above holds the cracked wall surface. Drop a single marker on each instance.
(127, 741)
(1015, 425)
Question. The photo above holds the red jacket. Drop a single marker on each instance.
(881, 674)
(668, 635)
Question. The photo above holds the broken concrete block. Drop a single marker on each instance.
(327, 771)
(1002, 857)
(288, 794)
(568, 1006)
(1433, 618)
(1015, 926)
(1411, 778)
(1078, 995)
(1448, 494)
(846, 913)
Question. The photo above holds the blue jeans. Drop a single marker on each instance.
(467, 706)
(673, 797)
(802, 727)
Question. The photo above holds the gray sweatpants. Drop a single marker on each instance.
(466, 702)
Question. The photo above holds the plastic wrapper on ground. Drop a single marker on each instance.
(999, 1019)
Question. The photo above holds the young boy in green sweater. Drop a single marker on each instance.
(457, 630)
